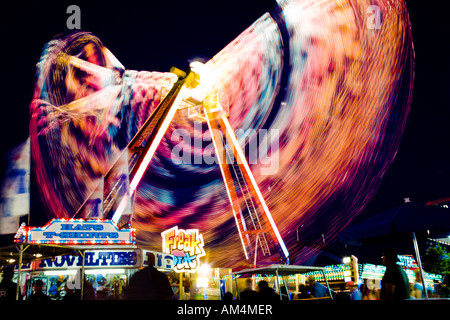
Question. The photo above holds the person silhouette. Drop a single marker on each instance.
(149, 284)
(38, 294)
(395, 283)
(7, 286)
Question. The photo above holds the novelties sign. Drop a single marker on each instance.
(93, 259)
(186, 246)
(114, 258)
(78, 231)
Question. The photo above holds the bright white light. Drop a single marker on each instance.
(206, 75)
(202, 70)
(202, 282)
(60, 272)
(120, 210)
(105, 271)
(204, 269)
(197, 66)
(346, 260)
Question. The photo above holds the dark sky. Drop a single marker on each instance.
(151, 37)
(159, 34)
(421, 169)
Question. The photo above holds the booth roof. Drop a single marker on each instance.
(283, 270)
(30, 251)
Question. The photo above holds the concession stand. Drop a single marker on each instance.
(65, 252)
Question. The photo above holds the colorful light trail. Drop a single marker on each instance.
(338, 91)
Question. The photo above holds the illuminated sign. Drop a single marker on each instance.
(162, 260)
(407, 261)
(78, 231)
(186, 246)
(116, 258)
(371, 271)
(94, 258)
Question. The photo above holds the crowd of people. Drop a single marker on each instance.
(395, 285)
(151, 284)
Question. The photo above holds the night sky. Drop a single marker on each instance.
(160, 34)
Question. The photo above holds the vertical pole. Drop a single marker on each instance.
(286, 285)
(82, 253)
(254, 284)
(230, 281)
(238, 294)
(181, 286)
(419, 262)
(328, 286)
(278, 284)
(19, 272)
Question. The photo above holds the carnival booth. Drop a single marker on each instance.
(65, 251)
(107, 270)
(373, 274)
(22, 257)
(370, 274)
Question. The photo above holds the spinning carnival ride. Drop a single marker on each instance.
(309, 73)
(252, 219)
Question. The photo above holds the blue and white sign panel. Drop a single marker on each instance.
(79, 231)
(162, 260)
(116, 258)
(112, 258)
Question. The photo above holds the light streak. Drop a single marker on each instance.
(230, 134)
(218, 155)
(339, 108)
(151, 151)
